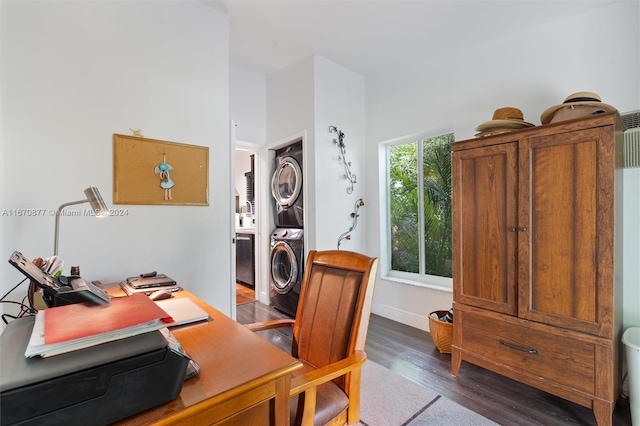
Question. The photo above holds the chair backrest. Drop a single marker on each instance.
(334, 306)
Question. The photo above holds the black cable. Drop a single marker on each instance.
(5, 319)
(25, 309)
(14, 287)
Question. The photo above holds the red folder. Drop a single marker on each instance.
(80, 320)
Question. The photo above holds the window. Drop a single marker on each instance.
(418, 207)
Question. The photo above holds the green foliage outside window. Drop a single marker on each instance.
(405, 217)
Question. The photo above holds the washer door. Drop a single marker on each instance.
(286, 182)
(284, 267)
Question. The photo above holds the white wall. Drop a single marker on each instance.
(74, 73)
(339, 100)
(631, 248)
(248, 104)
(306, 98)
(312, 95)
(531, 70)
(290, 110)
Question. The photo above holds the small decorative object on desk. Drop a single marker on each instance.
(441, 330)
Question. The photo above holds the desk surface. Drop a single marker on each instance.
(232, 359)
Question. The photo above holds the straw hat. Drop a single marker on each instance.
(576, 105)
(495, 131)
(507, 118)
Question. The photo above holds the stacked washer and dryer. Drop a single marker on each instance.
(287, 240)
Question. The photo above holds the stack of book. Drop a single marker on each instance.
(77, 326)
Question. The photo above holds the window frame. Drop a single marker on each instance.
(402, 277)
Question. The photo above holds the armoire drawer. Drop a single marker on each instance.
(564, 360)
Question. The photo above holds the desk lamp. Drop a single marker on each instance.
(97, 204)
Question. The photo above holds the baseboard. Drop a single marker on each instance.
(401, 316)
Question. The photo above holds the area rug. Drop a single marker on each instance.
(389, 399)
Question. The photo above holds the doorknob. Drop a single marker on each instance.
(512, 229)
(523, 229)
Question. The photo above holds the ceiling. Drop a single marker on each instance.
(370, 36)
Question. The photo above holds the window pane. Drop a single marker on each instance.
(437, 205)
(403, 207)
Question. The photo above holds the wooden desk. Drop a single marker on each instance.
(243, 380)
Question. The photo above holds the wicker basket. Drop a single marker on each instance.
(441, 332)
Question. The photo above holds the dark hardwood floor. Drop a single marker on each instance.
(410, 352)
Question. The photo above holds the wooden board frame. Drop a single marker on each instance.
(137, 172)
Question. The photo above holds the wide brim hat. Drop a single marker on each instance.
(505, 118)
(576, 99)
(496, 131)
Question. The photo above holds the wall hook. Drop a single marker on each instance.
(351, 177)
(354, 215)
(136, 132)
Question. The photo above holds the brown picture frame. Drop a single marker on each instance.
(141, 165)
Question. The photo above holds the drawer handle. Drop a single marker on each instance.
(519, 348)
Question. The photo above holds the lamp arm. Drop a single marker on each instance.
(62, 206)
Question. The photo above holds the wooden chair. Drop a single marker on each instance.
(329, 334)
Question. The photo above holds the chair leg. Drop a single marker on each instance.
(306, 410)
(353, 414)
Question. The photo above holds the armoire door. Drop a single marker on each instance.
(485, 233)
(566, 238)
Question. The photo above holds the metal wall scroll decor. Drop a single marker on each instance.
(354, 215)
(347, 164)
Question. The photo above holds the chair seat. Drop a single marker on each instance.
(330, 399)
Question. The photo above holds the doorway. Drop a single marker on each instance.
(246, 220)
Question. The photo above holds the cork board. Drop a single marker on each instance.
(150, 171)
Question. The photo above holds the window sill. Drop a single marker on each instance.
(432, 286)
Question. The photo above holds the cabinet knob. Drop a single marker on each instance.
(512, 229)
(523, 229)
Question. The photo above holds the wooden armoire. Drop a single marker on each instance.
(537, 257)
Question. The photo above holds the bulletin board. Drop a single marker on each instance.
(155, 172)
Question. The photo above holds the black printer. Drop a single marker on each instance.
(97, 385)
